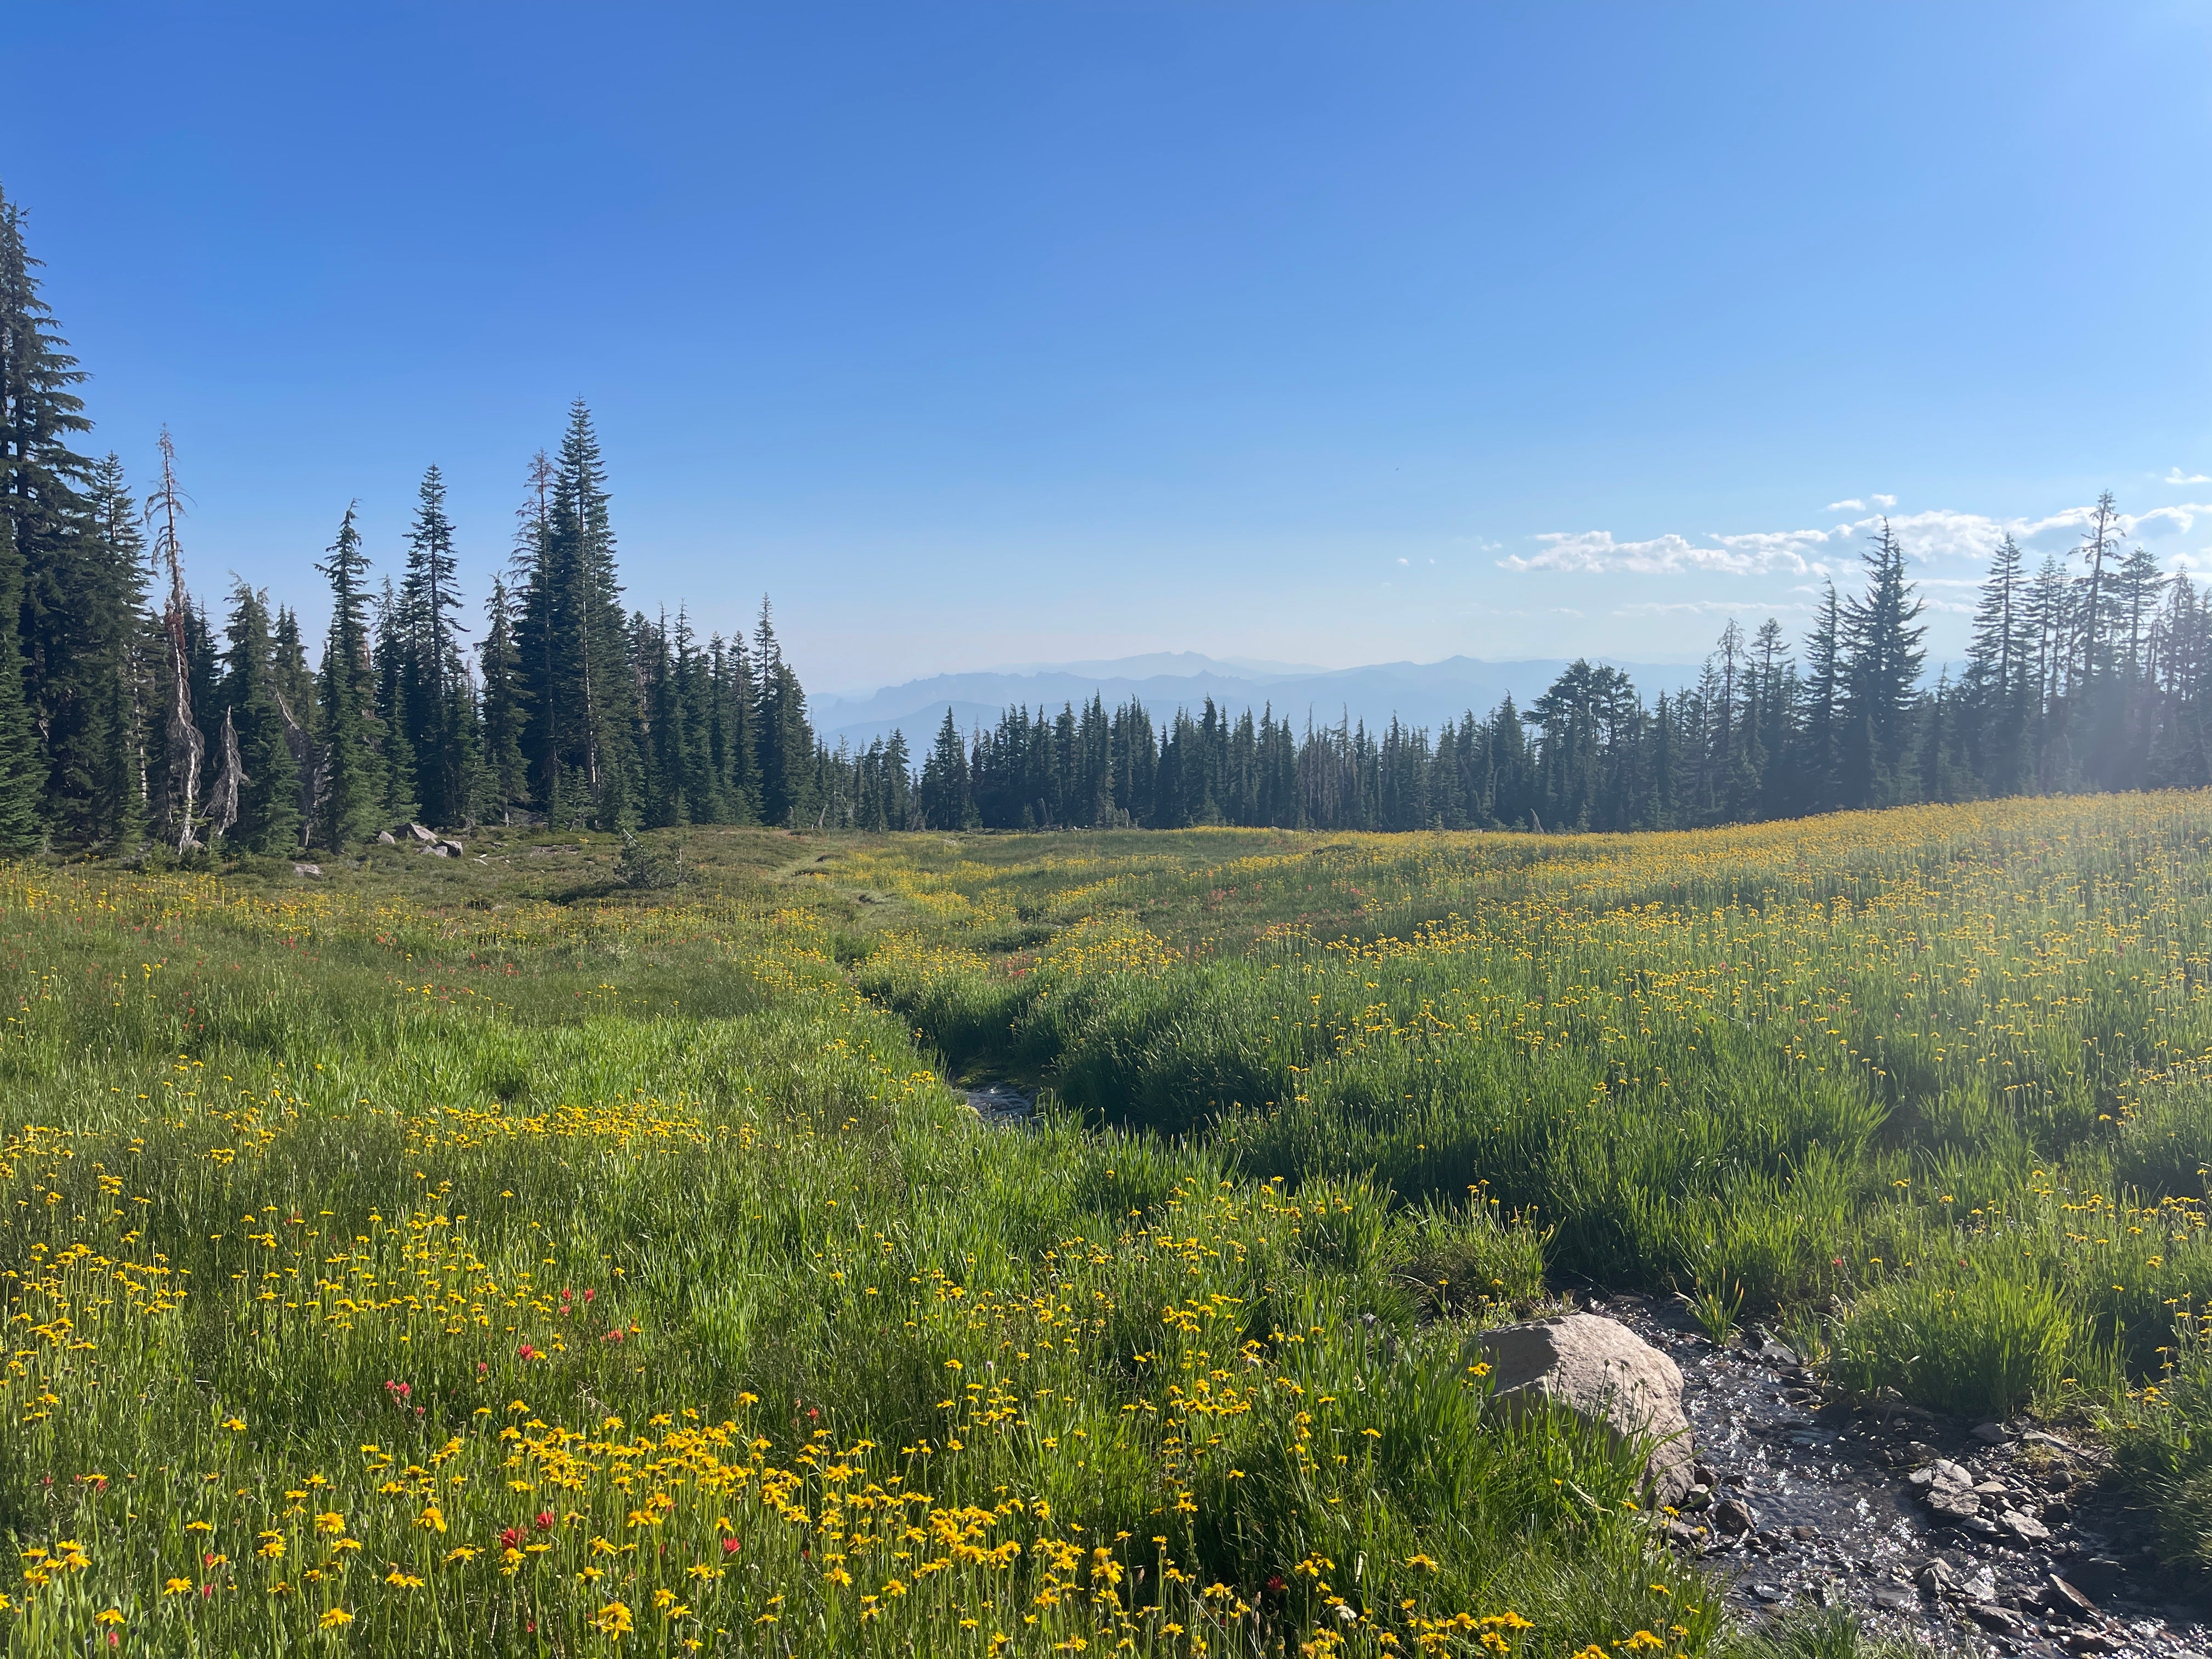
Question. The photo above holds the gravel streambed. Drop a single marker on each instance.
(1965, 1538)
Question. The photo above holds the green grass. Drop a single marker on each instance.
(476, 1270)
(1188, 1362)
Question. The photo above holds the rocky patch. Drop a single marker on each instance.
(1966, 1538)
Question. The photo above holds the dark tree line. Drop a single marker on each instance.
(2095, 673)
(127, 712)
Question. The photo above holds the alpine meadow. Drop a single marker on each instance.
(513, 1142)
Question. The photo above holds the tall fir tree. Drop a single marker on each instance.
(439, 724)
(1995, 693)
(106, 751)
(20, 830)
(576, 641)
(783, 741)
(353, 791)
(292, 683)
(269, 791)
(393, 659)
(1885, 662)
(506, 773)
(41, 494)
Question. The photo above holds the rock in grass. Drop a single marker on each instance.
(307, 869)
(1605, 1374)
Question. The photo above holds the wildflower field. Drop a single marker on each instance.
(477, 1256)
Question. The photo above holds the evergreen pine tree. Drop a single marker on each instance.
(1885, 662)
(269, 791)
(783, 742)
(439, 728)
(946, 801)
(506, 774)
(395, 677)
(292, 684)
(1994, 693)
(41, 481)
(20, 830)
(353, 792)
(107, 752)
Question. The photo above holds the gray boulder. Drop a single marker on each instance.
(1605, 1374)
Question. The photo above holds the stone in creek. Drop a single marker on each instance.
(1936, 1579)
(1732, 1517)
(1605, 1375)
(1954, 1503)
(2025, 1527)
(2003, 1620)
(2060, 1594)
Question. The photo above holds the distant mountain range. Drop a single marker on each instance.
(1419, 694)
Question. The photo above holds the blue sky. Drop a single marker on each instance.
(979, 334)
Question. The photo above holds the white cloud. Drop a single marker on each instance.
(1884, 500)
(1929, 537)
(1404, 562)
(1846, 507)
(1709, 608)
(2177, 476)
(1595, 551)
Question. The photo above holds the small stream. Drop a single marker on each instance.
(1837, 1519)
(1000, 1104)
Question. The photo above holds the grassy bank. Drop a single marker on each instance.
(460, 1257)
(1927, 1087)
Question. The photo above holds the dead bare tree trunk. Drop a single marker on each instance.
(230, 772)
(187, 749)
